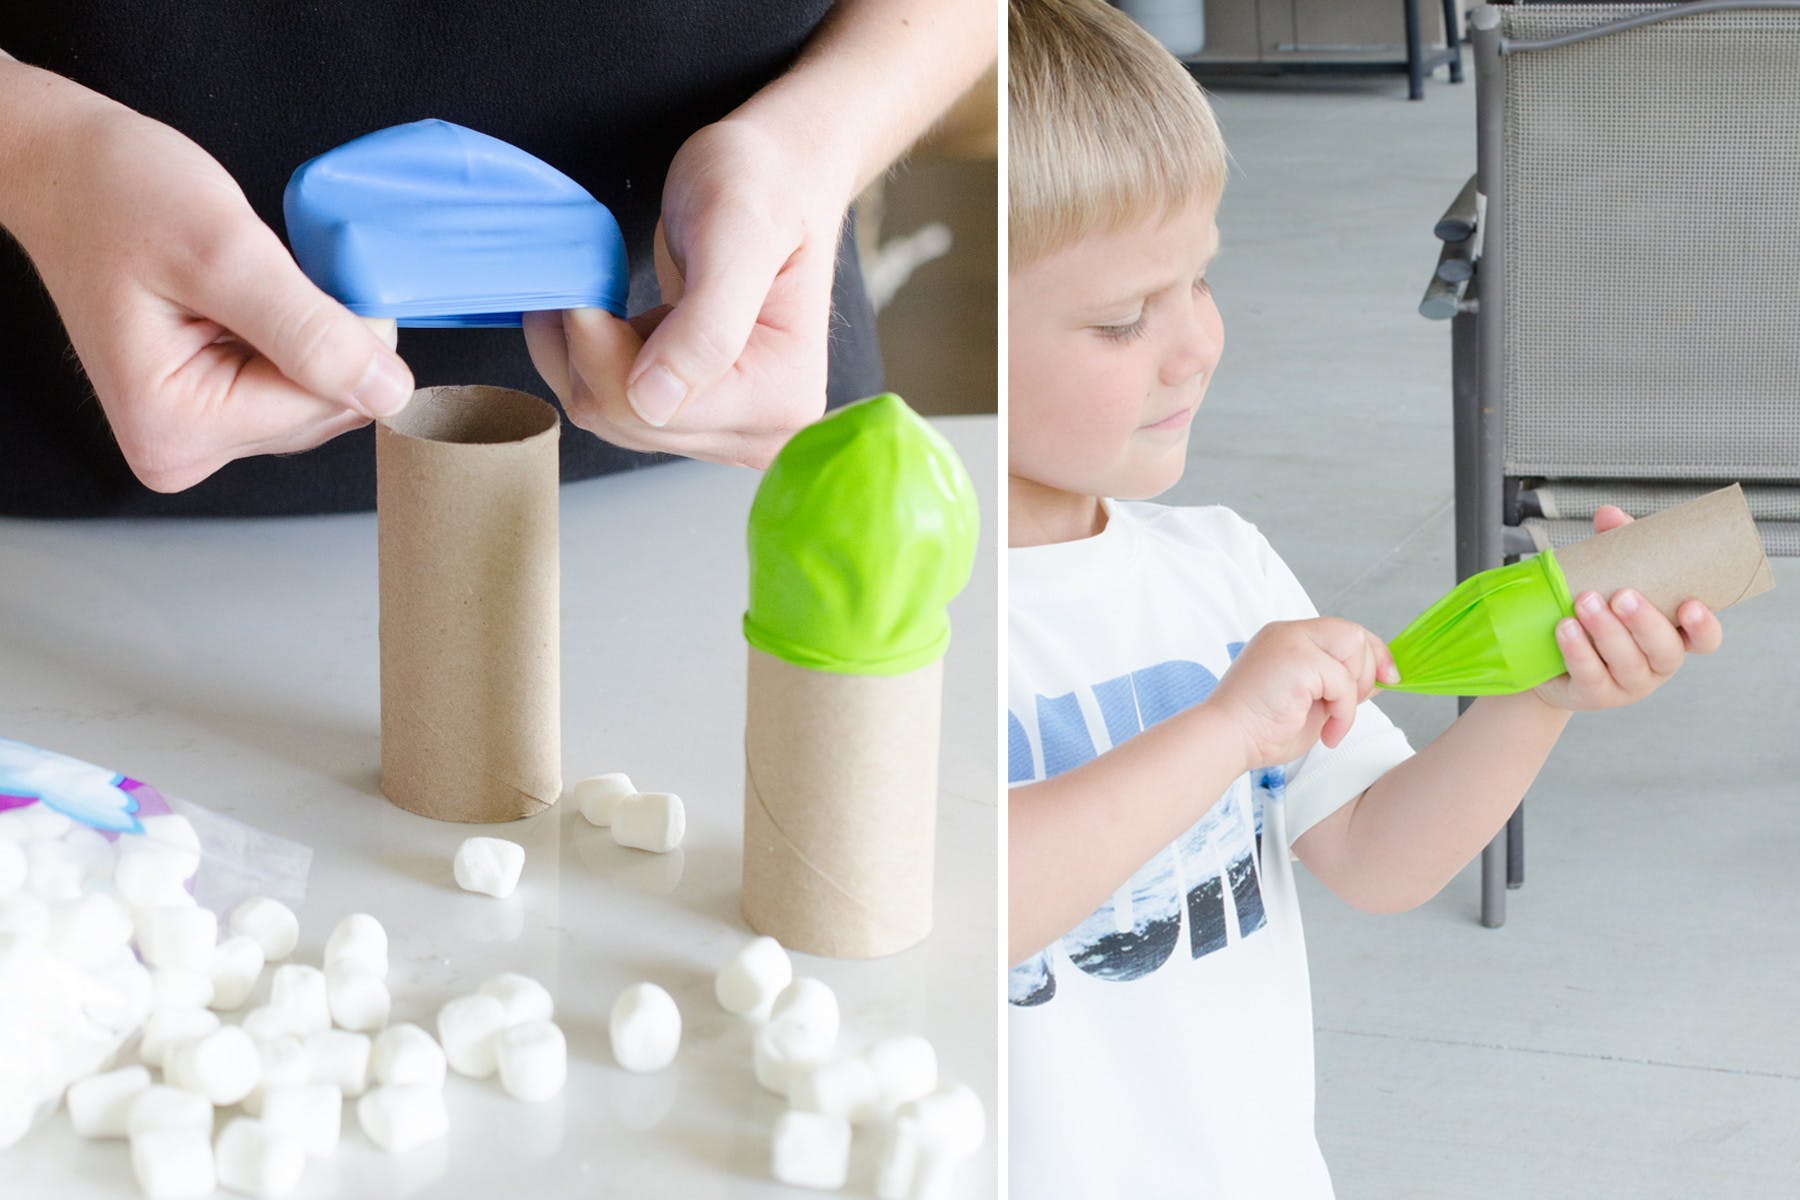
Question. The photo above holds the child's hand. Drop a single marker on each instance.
(1299, 682)
(1617, 655)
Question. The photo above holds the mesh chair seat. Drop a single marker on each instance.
(1582, 498)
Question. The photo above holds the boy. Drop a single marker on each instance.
(1160, 1030)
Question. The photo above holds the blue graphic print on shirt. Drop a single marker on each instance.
(1136, 932)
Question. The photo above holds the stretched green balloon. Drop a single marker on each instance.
(1494, 634)
(861, 532)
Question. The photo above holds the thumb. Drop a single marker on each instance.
(264, 298)
(726, 281)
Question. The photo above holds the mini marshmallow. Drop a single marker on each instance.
(173, 987)
(950, 1119)
(405, 1055)
(523, 998)
(170, 834)
(100, 1104)
(15, 868)
(131, 996)
(265, 1023)
(398, 1119)
(165, 1027)
(467, 1027)
(39, 821)
(90, 848)
(599, 794)
(811, 1005)
(313, 1113)
(653, 821)
(91, 931)
(299, 993)
(756, 974)
(178, 936)
(843, 1087)
(359, 1000)
(898, 1160)
(25, 916)
(162, 1107)
(781, 1049)
(533, 1059)
(55, 873)
(174, 1164)
(258, 1159)
(237, 964)
(488, 865)
(340, 1059)
(149, 878)
(358, 941)
(906, 1068)
(285, 1064)
(933, 1176)
(270, 923)
(18, 1108)
(811, 1150)
(645, 1028)
(76, 1054)
(222, 1065)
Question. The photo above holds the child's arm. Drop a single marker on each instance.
(1397, 844)
(1072, 840)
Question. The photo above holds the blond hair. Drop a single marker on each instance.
(1105, 128)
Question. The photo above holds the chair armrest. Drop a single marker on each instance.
(1458, 222)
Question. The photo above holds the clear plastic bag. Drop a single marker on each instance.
(69, 1004)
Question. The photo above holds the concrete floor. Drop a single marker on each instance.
(1631, 1031)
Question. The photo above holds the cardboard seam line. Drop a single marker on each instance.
(1755, 572)
(472, 768)
(820, 872)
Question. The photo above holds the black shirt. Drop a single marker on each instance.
(604, 92)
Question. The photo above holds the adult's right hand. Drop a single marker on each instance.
(203, 340)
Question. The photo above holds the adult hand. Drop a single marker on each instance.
(734, 361)
(203, 340)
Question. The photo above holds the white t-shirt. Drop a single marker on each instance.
(1163, 1047)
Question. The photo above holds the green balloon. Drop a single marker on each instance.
(1492, 635)
(862, 531)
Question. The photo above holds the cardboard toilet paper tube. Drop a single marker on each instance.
(466, 492)
(1707, 550)
(840, 806)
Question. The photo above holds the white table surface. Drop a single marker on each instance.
(233, 664)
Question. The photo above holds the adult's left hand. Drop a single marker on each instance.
(734, 361)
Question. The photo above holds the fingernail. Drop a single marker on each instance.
(1390, 673)
(1566, 628)
(1625, 603)
(1591, 603)
(656, 395)
(385, 388)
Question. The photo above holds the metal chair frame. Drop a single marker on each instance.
(1469, 289)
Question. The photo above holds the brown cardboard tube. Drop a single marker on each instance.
(840, 807)
(466, 491)
(1706, 550)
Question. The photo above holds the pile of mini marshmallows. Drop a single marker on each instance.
(890, 1086)
(652, 821)
(77, 912)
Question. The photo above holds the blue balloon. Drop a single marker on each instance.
(437, 225)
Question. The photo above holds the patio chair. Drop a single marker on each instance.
(1622, 279)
